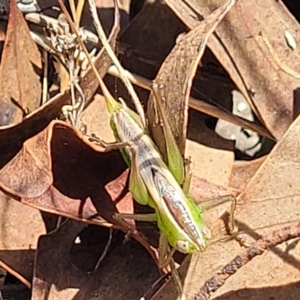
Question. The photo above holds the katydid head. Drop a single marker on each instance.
(191, 246)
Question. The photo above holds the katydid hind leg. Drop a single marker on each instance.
(218, 201)
(175, 161)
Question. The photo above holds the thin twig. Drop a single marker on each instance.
(257, 248)
(115, 60)
(73, 11)
(79, 10)
(196, 104)
(10, 270)
(104, 253)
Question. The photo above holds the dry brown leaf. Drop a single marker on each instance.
(53, 271)
(61, 271)
(213, 165)
(28, 174)
(19, 84)
(80, 197)
(247, 58)
(81, 177)
(177, 73)
(243, 171)
(12, 137)
(20, 228)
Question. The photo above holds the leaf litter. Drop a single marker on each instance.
(53, 167)
(245, 55)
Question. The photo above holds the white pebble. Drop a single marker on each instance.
(290, 40)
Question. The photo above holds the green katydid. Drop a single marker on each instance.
(154, 183)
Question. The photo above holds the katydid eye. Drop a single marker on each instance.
(206, 232)
(182, 246)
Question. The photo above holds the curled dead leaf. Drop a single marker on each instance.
(176, 75)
